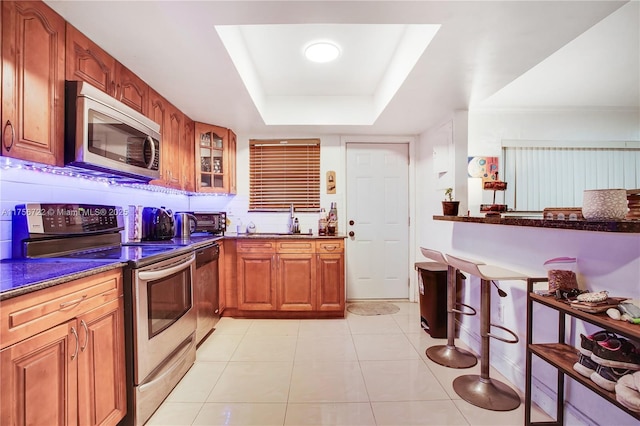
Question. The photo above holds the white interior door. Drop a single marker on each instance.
(378, 215)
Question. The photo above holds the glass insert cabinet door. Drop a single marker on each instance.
(211, 149)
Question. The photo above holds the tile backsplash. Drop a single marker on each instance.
(18, 186)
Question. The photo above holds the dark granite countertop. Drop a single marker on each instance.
(276, 235)
(22, 276)
(623, 226)
(194, 242)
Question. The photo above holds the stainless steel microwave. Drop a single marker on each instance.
(107, 136)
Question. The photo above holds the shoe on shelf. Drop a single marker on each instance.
(585, 365)
(627, 393)
(587, 342)
(607, 377)
(616, 352)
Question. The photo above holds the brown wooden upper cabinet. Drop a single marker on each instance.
(186, 156)
(131, 90)
(215, 159)
(231, 153)
(176, 148)
(33, 57)
(86, 61)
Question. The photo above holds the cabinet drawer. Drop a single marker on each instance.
(26, 315)
(329, 246)
(295, 246)
(256, 246)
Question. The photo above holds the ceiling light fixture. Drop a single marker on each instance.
(322, 51)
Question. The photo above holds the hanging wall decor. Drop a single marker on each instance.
(331, 182)
(483, 167)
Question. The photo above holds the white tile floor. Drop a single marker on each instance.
(361, 370)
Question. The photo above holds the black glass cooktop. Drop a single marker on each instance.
(124, 253)
(136, 255)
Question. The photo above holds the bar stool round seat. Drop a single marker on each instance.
(481, 390)
(449, 355)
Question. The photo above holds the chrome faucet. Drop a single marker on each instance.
(291, 225)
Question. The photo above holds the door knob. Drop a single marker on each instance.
(351, 222)
(351, 233)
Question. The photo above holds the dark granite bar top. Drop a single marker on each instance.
(623, 226)
(22, 276)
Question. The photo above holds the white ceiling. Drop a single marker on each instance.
(543, 53)
(287, 89)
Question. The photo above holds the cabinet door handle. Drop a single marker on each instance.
(330, 248)
(72, 302)
(75, 334)
(86, 335)
(13, 136)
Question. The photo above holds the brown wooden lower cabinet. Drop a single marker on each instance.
(39, 379)
(296, 285)
(256, 281)
(289, 278)
(330, 279)
(73, 372)
(101, 368)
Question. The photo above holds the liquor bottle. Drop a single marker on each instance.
(333, 212)
(332, 222)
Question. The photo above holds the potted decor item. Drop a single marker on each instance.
(449, 207)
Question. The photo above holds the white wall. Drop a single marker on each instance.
(606, 261)
(237, 207)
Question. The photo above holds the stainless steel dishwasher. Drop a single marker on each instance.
(205, 297)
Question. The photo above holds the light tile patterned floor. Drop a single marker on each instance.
(361, 370)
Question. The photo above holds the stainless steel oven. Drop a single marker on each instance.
(163, 325)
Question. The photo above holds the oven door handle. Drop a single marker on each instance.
(165, 272)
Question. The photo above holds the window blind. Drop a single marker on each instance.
(282, 173)
(542, 176)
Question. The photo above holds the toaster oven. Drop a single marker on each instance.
(211, 222)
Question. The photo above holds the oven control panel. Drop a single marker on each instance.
(35, 220)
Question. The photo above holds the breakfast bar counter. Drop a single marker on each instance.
(623, 226)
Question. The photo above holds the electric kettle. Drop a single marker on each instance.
(185, 224)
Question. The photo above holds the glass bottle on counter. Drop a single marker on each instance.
(322, 222)
(332, 220)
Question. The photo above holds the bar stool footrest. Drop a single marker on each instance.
(502, 339)
(451, 356)
(458, 311)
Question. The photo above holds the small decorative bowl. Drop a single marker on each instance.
(604, 204)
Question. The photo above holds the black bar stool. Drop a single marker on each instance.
(481, 390)
(449, 355)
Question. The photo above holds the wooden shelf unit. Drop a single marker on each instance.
(562, 356)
